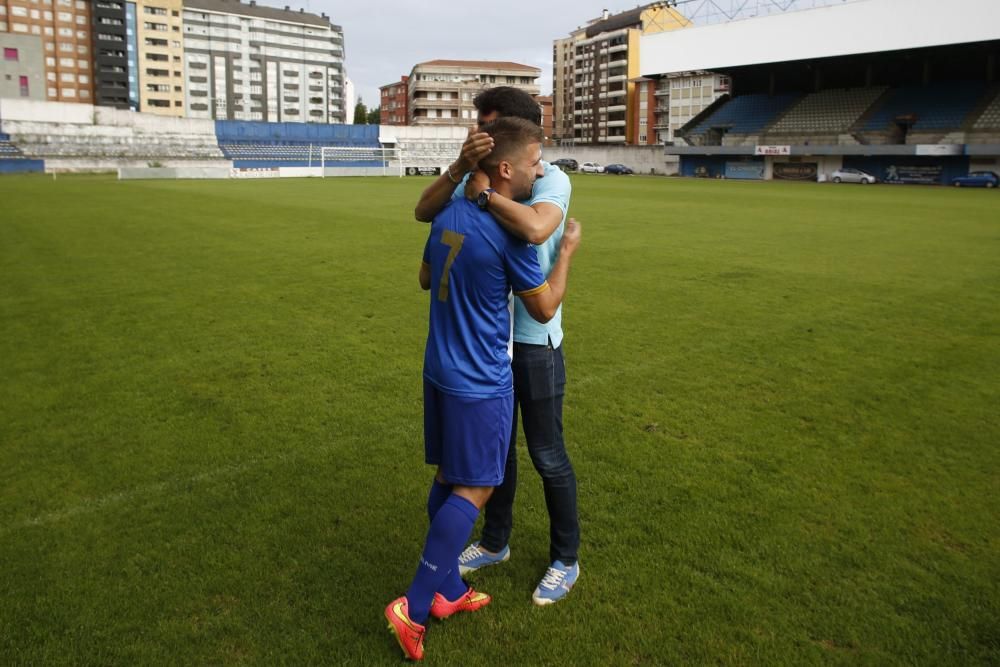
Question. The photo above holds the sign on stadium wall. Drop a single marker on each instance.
(913, 174)
(745, 170)
(772, 150)
(423, 171)
(254, 172)
(939, 149)
(796, 171)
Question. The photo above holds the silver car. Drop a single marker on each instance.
(848, 175)
(592, 168)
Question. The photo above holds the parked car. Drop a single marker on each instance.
(977, 179)
(848, 175)
(566, 164)
(617, 169)
(591, 168)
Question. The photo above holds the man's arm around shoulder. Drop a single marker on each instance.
(536, 222)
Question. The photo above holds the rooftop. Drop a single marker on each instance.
(252, 8)
(481, 64)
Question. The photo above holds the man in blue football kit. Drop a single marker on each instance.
(539, 370)
(470, 265)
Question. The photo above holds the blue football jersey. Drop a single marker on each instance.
(474, 264)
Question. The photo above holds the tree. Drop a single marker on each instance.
(360, 113)
(375, 116)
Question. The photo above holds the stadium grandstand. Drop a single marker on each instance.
(908, 92)
(56, 137)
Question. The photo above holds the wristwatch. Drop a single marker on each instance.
(483, 200)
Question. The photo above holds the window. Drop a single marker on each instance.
(23, 81)
(10, 54)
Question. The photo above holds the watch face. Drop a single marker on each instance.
(484, 198)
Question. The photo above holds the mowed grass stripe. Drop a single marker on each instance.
(781, 408)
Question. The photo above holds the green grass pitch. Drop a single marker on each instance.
(783, 410)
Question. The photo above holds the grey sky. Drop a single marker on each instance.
(385, 39)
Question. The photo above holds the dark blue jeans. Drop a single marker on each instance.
(539, 385)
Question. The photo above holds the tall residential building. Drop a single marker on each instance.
(682, 96)
(441, 91)
(605, 66)
(64, 30)
(22, 70)
(113, 43)
(160, 40)
(562, 87)
(393, 104)
(545, 102)
(250, 62)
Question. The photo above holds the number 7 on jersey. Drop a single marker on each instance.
(454, 242)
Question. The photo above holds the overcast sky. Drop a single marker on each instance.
(384, 39)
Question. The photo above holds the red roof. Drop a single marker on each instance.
(482, 64)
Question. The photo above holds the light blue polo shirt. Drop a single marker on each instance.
(553, 187)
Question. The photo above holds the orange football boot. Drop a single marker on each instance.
(408, 633)
(469, 601)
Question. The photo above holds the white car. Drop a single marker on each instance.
(848, 175)
(592, 168)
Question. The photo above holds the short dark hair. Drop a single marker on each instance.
(510, 135)
(508, 101)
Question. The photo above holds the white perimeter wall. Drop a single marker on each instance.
(864, 26)
(30, 111)
(642, 159)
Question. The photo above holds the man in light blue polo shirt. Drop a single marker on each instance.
(538, 366)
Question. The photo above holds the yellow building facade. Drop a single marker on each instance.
(160, 39)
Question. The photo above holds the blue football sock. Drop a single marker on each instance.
(446, 537)
(435, 499)
(453, 587)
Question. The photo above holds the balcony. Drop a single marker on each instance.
(615, 139)
(444, 85)
(617, 107)
(615, 123)
(422, 103)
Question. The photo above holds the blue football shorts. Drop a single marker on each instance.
(467, 437)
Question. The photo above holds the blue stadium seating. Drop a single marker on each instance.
(13, 161)
(747, 114)
(289, 144)
(935, 106)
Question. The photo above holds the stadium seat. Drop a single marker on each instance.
(827, 112)
(989, 119)
(934, 107)
(746, 114)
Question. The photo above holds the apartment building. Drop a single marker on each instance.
(160, 42)
(63, 28)
(562, 87)
(545, 102)
(605, 67)
(682, 96)
(393, 106)
(113, 43)
(441, 91)
(245, 61)
(22, 70)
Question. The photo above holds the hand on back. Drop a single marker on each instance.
(571, 236)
